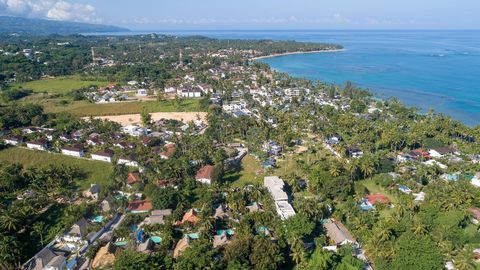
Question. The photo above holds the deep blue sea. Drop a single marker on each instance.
(424, 69)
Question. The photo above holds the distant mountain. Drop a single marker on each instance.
(10, 25)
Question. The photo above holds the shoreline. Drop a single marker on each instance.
(293, 53)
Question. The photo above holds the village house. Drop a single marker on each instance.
(220, 212)
(441, 152)
(181, 246)
(371, 200)
(141, 206)
(475, 214)
(128, 161)
(133, 178)
(134, 130)
(40, 145)
(354, 152)
(106, 155)
(14, 140)
(78, 231)
(157, 217)
(191, 216)
(338, 235)
(92, 192)
(204, 175)
(107, 204)
(221, 240)
(189, 92)
(74, 151)
(46, 259)
(170, 150)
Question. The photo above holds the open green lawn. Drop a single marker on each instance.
(248, 173)
(60, 85)
(85, 108)
(97, 172)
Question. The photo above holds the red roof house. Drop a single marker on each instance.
(141, 206)
(204, 175)
(377, 198)
(133, 178)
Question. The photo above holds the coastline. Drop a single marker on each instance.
(292, 53)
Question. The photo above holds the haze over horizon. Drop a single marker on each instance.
(250, 14)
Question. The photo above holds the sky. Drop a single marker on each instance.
(255, 14)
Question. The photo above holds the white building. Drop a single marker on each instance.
(127, 162)
(73, 151)
(134, 130)
(142, 92)
(275, 186)
(103, 156)
(15, 140)
(40, 145)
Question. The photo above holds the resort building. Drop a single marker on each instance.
(275, 186)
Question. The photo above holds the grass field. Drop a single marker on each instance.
(97, 172)
(85, 108)
(248, 173)
(60, 85)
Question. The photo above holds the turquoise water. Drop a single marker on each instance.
(437, 69)
(424, 69)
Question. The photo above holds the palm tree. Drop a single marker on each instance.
(38, 229)
(418, 228)
(334, 170)
(8, 221)
(297, 251)
(464, 260)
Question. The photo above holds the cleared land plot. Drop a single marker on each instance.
(251, 173)
(60, 85)
(129, 119)
(96, 171)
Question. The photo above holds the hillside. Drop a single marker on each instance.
(46, 27)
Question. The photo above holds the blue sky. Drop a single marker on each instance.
(256, 14)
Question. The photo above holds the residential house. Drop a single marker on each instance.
(204, 175)
(354, 152)
(92, 192)
(221, 240)
(41, 145)
(441, 151)
(157, 217)
(140, 206)
(220, 212)
(14, 140)
(181, 246)
(146, 247)
(78, 231)
(46, 259)
(191, 216)
(134, 130)
(106, 156)
(128, 161)
(74, 151)
(107, 204)
(254, 207)
(133, 178)
(170, 150)
(338, 235)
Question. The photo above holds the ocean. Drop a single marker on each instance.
(437, 70)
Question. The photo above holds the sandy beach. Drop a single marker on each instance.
(290, 53)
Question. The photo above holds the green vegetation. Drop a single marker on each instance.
(250, 173)
(60, 85)
(96, 172)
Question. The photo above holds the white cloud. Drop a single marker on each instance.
(49, 9)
